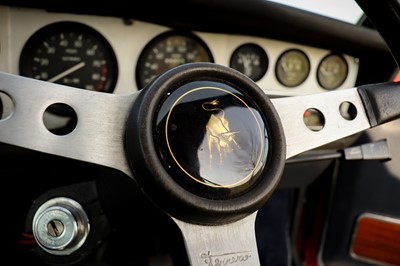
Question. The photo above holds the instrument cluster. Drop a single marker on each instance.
(118, 56)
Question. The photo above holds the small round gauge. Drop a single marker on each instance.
(292, 68)
(71, 54)
(250, 59)
(168, 50)
(332, 71)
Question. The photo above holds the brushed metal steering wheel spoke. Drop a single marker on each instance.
(98, 136)
(227, 244)
(300, 138)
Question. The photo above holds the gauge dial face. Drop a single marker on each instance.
(332, 71)
(71, 54)
(292, 68)
(168, 50)
(250, 59)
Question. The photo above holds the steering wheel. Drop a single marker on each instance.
(202, 142)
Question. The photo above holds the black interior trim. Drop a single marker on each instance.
(381, 102)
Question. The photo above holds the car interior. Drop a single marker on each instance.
(174, 133)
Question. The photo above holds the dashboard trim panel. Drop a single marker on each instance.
(130, 39)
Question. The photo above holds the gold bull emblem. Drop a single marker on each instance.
(219, 135)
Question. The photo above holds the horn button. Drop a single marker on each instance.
(205, 143)
(210, 134)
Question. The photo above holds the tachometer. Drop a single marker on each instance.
(72, 54)
(168, 50)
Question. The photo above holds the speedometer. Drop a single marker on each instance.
(70, 53)
(168, 50)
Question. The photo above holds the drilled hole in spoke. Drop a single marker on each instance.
(314, 119)
(6, 105)
(348, 110)
(60, 124)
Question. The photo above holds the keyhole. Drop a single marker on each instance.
(55, 228)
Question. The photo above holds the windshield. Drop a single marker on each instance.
(344, 10)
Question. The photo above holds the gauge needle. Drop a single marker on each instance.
(67, 72)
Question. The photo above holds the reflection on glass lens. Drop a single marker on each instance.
(332, 72)
(168, 50)
(251, 60)
(292, 68)
(211, 136)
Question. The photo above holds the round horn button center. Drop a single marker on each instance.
(211, 134)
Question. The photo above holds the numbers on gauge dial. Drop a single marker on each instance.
(168, 50)
(70, 54)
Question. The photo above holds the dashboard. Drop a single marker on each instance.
(118, 55)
